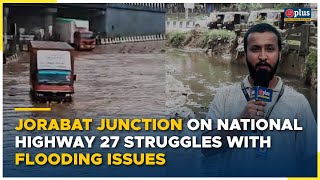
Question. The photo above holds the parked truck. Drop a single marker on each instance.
(75, 32)
(51, 71)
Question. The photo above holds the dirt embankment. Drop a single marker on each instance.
(213, 42)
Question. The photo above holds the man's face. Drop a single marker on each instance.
(262, 53)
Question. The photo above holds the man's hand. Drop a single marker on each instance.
(253, 110)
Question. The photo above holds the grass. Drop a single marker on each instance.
(176, 38)
(215, 34)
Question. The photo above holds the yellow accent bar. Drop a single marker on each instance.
(1, 27)
(30, 1)
(32, 109)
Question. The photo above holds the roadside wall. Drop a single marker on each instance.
(125, 20)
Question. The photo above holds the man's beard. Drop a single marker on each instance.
(253, 71)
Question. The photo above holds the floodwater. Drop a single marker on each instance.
(175, 84)
(107, 85)
(201, 75)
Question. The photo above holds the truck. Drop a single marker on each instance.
(75, 32)
(51, 71)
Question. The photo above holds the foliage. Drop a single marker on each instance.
(281, 6)
(176, 38)
(248, 6)
(312, 60)
(215, 34)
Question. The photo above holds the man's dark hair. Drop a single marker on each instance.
(261, 28)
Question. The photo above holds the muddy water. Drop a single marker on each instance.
(196, 78)
(200, 76)
(108, 85)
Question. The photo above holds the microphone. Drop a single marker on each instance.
(260, 89)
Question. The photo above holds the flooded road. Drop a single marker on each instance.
(175, 83)
(108, 85)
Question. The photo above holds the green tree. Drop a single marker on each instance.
(248, 6)
(288, 5)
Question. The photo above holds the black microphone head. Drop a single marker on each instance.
(262, 78)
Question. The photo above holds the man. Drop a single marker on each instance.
(292, 153)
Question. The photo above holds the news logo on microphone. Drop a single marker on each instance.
(261, 93)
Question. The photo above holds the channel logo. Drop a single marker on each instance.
(261, 93)
(264, 93)
(297, 14)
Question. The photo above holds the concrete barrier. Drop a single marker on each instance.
(180, 24)
(103, 42)
(117, 40)
(12, 58)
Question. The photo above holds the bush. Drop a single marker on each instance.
(312, 60)
(215, 34)
(200, 39)
(176, 38)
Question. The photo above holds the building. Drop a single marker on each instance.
(110, 20)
